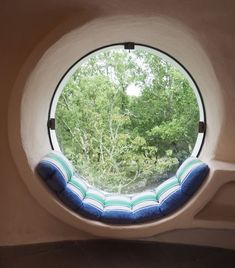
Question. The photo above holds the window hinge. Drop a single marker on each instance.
(51, 123)
(129, 45)
(201, 127)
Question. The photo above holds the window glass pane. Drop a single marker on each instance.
(127, 119)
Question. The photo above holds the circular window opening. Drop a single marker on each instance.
(127, 116)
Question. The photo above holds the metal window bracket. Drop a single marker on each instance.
(129, 46)
(51, 123)
(201, 127)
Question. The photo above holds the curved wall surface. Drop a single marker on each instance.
(47, 39)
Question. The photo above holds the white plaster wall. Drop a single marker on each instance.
(28, 29)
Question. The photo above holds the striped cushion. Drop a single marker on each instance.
(186, 167)
(78, 185)
(74, 193)
(166, 188)
(121, 216)
(117, 202)
(169, 196)
(56, 170)
(143, 200)
(174, 201)
(117, 208)
(191, 175)
(145, 207)
(71, 198)
(94, 204)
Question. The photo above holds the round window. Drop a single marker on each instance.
(127, 116)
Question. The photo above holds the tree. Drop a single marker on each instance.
(118, 141)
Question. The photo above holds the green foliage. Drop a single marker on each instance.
(122, 142)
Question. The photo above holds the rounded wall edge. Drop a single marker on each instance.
(29, 104)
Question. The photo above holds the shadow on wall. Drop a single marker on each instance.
(116, 254)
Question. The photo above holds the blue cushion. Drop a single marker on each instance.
(90, 212)
(94, 204)
(191, 175)
(173, 201)
(56, 170)
(145, 206)
(148, 213)
(71, 199)
(118, 216)
(117, 209)
(52, 176)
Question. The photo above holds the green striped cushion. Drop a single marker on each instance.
(187, 166)
(144, 199)
(78, 186)
(166, 189)
(58, 160)
(117, 202)
(95, 198)
(58, 173)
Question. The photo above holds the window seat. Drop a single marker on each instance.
(59, 175)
